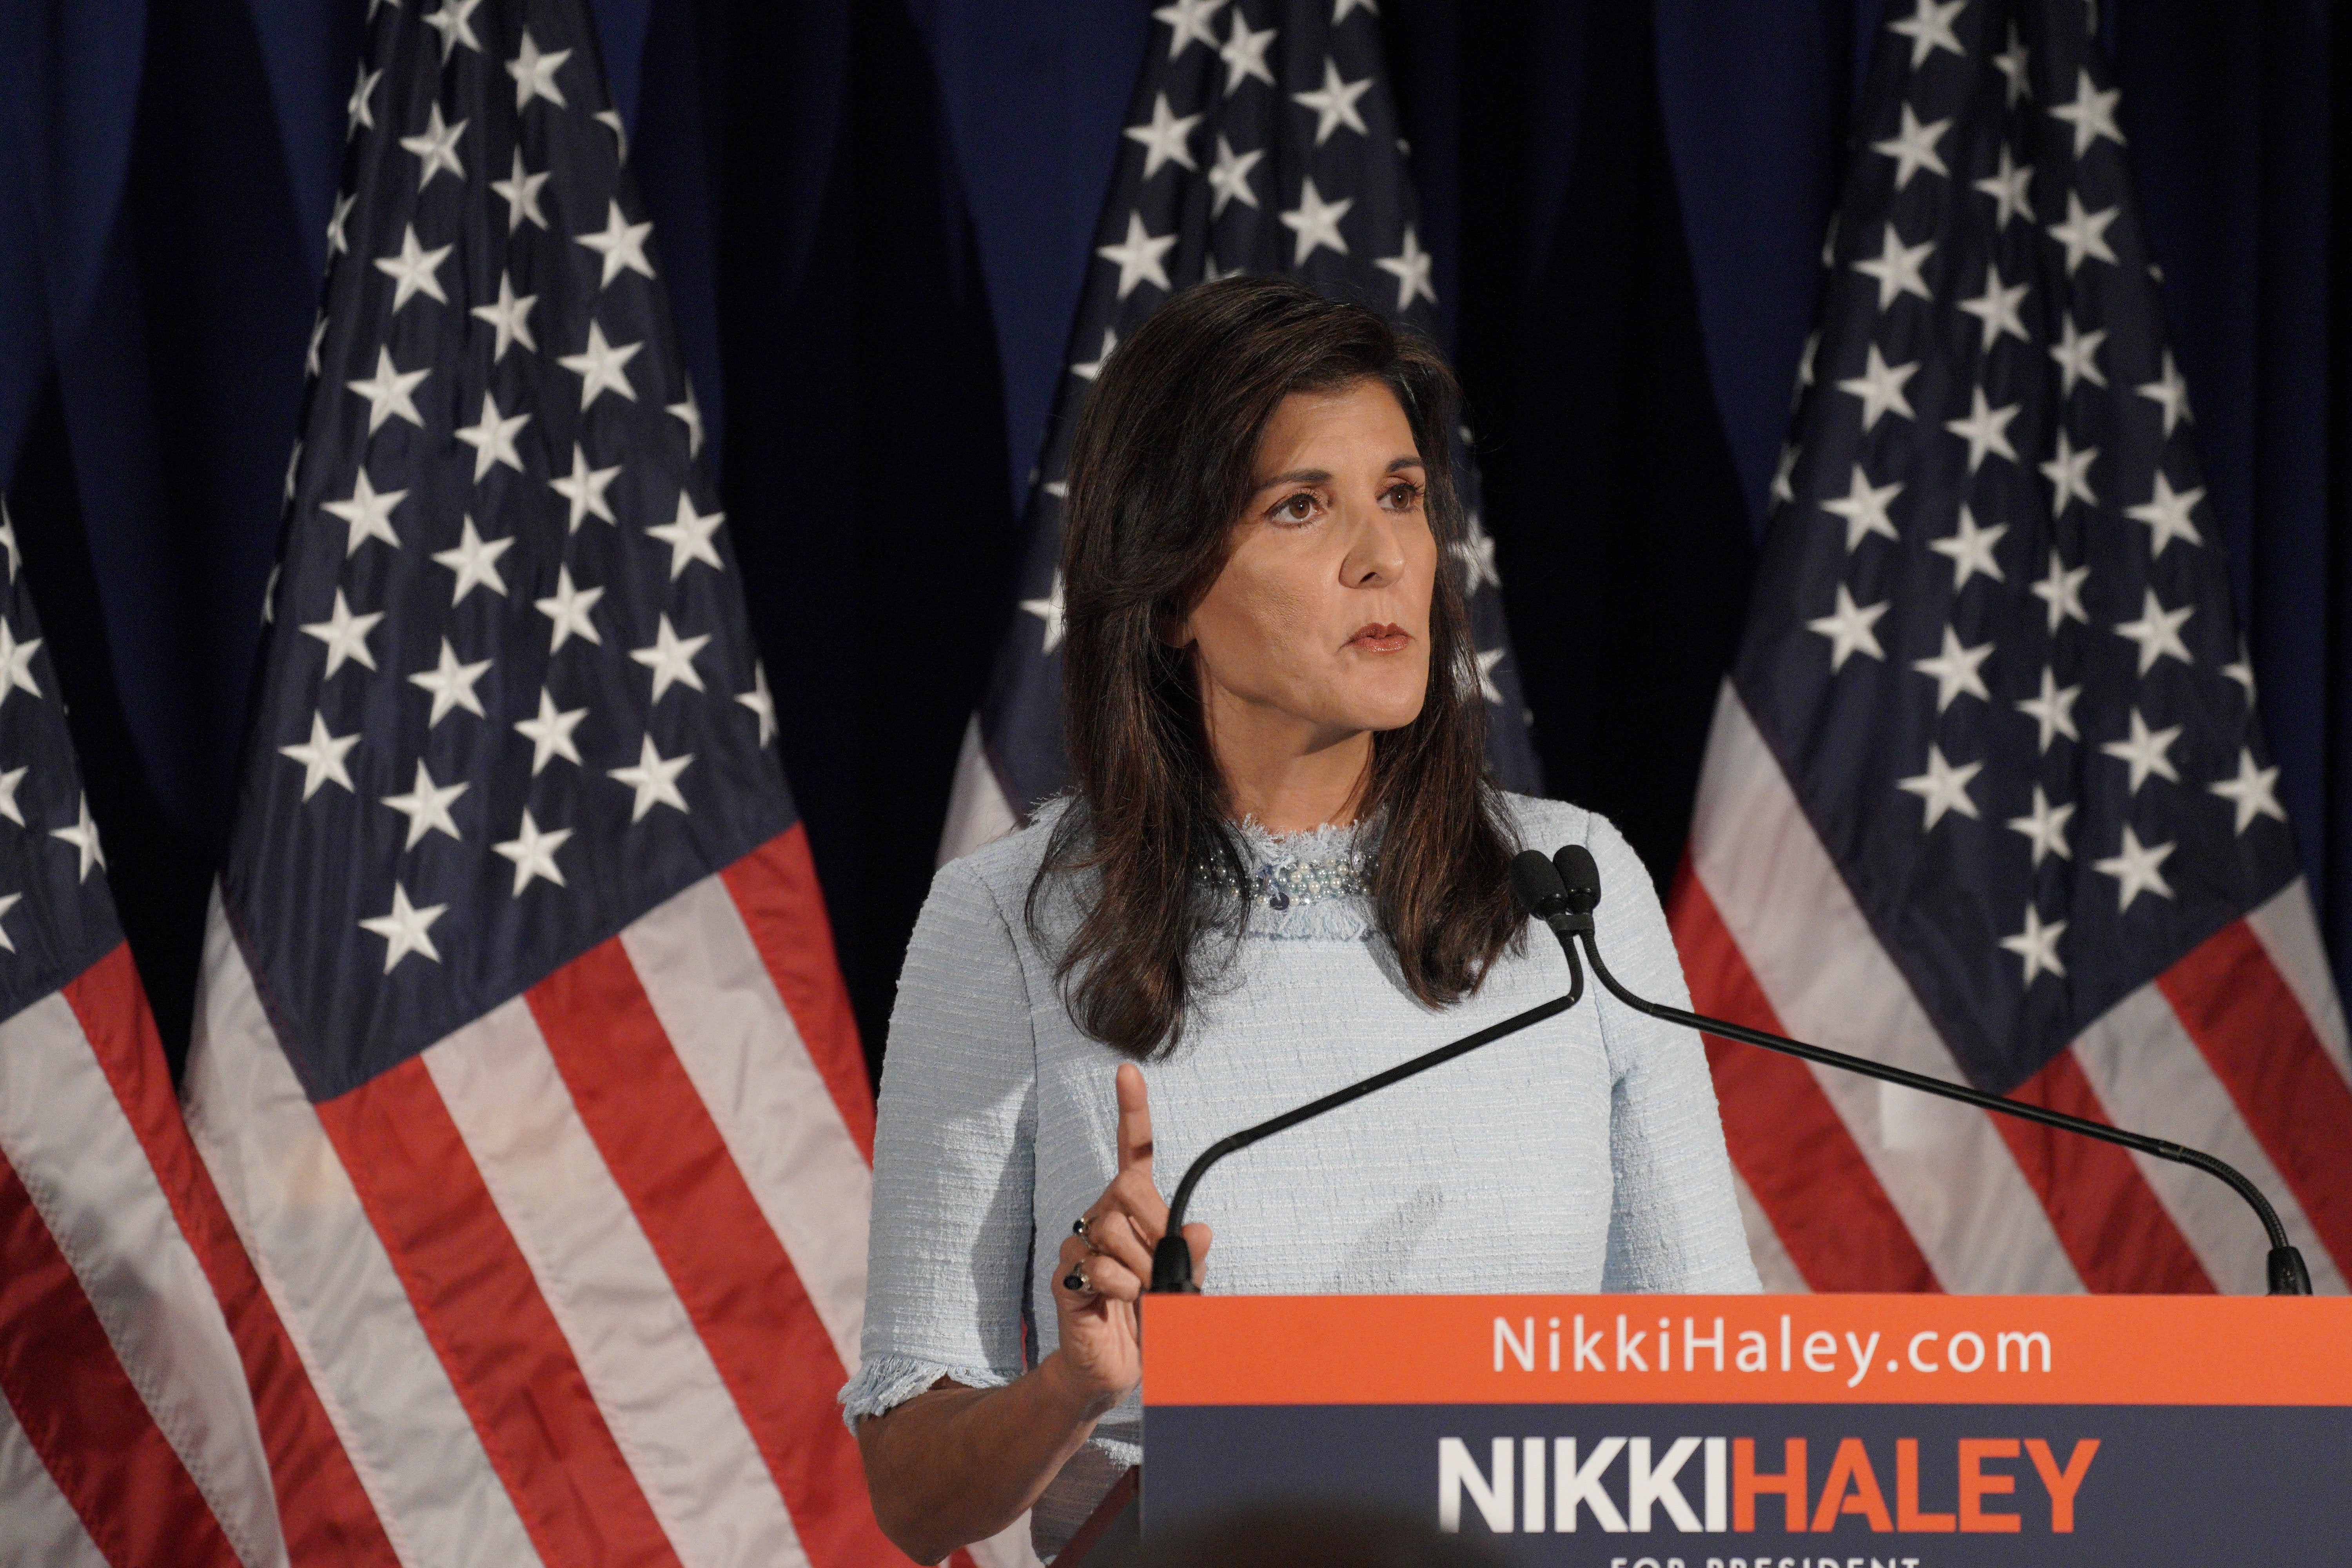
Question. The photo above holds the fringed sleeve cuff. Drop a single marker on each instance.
(886, 1383)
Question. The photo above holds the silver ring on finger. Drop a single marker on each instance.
(1077, 1280)
(1083, 1228)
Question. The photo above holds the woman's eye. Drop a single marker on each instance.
(1405, 497)
(1298, 509)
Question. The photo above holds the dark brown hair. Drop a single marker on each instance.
(1161, 464)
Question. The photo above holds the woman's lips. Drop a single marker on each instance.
(1381, 637)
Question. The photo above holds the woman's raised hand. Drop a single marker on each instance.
(1106, 1265)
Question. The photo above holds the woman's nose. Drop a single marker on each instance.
(1376, 554)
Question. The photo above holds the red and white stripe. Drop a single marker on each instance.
(136, 1345)
(582, 1281)
(2238, 1050)
(978, 812)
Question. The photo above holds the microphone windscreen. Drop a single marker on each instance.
(1580, 879)
(1535, 883)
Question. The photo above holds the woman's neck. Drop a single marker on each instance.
(1293, 783)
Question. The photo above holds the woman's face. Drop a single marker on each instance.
(1317, 628)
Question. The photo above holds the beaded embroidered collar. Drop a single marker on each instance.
(1279, 887)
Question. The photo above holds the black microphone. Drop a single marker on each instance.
(1535, 883)
(1581, 882)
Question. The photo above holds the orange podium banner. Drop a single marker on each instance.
(1773, 1431)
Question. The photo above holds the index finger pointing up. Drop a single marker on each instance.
(1134, 1120)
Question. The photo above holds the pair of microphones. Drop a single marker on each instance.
(1562, 890)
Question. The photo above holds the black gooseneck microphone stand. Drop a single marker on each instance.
(1171, 1260)
(1576, 884)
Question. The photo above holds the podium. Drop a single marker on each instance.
(1772, 1431)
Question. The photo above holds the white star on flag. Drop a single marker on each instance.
(1956, 670)
(8, 806)
(436, 148)
(759, 700)
(2157, 631)
(2092, 114)
(2045, 827)
(584, 488)
(2254, 791)
(1997, 308)
(1244, 53)
(345, 635)
(568, 609)
(1138, 257)
(533, 853)
(1049, 610)
(1481, 668)
(357, 113)
(510, 316)
(1849, 629)
(451, 22)
(2011, 63)
(322, 757)
(366, 514)
(1896, 268)
(1316, 222)
(2008, 186)
(1929, 27)
(2146, 751)
(404, 930)
(602, 367)
(1165, 140)
(1969, 550)
(83, 836)
(492, 439)
(1913, 147)
(1986, 429)
(1865, 509)
(2069, 473)
(1334, 102)
(550, 733)
(427, 806)
(621, 243)
(451, 683)
(671, 658)
(687, 534)
(414, 270)
(654, 778)
(475, 560)
(2037, 944)
(688, 412)
(1943, 787)
(534, 76)
(388, 390)
(2061, 590)
(2077, 353)
(2170, 390)
(1409, 266)
(2166, 513)
(1188, 23)
(2052, 709)
(1093, 367)
(1229, 178)
(9, 902)
(2083, 233)
(2137, 868)
(520, 190)
(1880, 387)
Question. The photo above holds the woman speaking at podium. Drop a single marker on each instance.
(1281, 866)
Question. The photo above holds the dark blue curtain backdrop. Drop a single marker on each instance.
(873, 219)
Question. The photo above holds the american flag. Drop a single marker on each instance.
(1262, 138)
(521, 1057)
(1985, 793)
(136, 1343)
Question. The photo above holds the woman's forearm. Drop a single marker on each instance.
(955, 1465)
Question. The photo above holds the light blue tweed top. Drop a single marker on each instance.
(1582, 1154)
